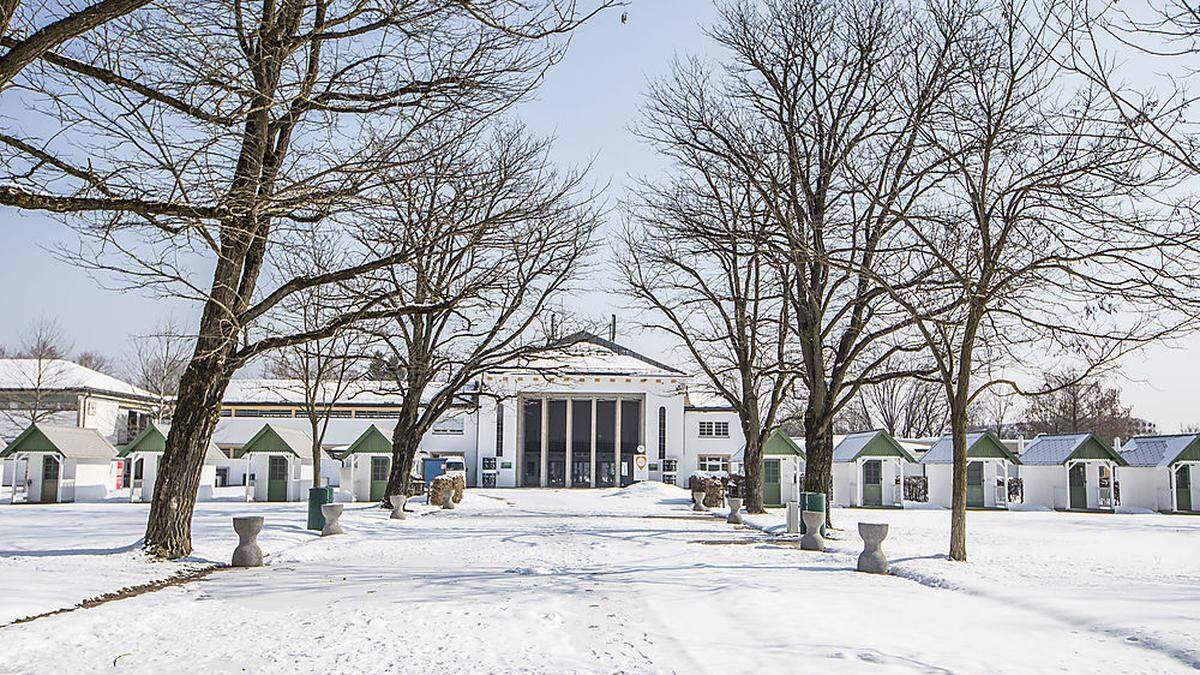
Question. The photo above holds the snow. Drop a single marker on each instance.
(604, 580)
(61, 375)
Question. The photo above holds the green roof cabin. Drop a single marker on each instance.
(868, 470)
(52, 464)
(990, 464)
(137, 464)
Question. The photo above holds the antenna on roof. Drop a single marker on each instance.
(612, 329)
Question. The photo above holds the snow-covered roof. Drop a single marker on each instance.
(588, 354)
(1052, 449)
(212, 454)
(700, 398)
(1156, 451)
(341, 431)
(70, 442)
(852, 445)
(62, 375)
(942, 451)
(358, 392)
(297, 441)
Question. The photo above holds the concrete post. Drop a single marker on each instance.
(698, 500)
(735, 511)
(397, 502)
(332, 513)
(872, 559)
(812, 539)
(793, 517)
(247, 553)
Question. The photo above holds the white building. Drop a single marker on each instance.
(1070, 471)
(869, 470)
(138, 462)
(1163, 473)
(279, 464)
(53, 464)
(990, 464)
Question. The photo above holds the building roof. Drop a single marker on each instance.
(980, 445)
(341, 432)
(876, 442)
(154, 439)
(63, 375)
(585, 353)
(778, 444)
(1053, 449)
(295, 441)
(70, 442)
(1160, 451)
(701, 399)
(373, 440)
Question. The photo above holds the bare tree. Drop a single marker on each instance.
(696, 260)
(819, 112)
(96, 361)
(498, 235)
(190, 141)
(1045, 231)
(1075, 405)
(33, 396)
(155, 362)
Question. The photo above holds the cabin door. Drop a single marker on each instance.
(1077, 483)
(380, 467)
(50, 473)
(277, 478)
(873, 482)
(975, 485)
(772, 489)
(1183, 489)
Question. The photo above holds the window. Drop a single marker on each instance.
(448, 426)
(499, 429)
(713, 429)
(713, 463)
(662, 432)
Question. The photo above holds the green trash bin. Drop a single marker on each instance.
(316, 497)
(811, 501)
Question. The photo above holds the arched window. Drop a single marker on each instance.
(662, 432)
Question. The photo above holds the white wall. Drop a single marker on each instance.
(845, 484)
(299, 477)
(1145, 488)
(1046, 486)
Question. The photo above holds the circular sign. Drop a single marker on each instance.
(640, 461)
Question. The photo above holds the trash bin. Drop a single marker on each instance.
(316, 497)
(811, 501)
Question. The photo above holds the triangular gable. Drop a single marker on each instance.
(980, 445)
(877, 443)
(30, 440)
(1094, 448)
(268, 439)
(371, 441)
(151, 439)
(779, 443)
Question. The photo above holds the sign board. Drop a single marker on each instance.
(640, 464)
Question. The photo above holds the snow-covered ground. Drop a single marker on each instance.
(605, 580)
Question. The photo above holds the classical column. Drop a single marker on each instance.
(617, 443)
(545, 439)
(570, 419)
(592, 450)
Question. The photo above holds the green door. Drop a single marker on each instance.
(873, 482)
(50, 469)
(1183, 489)
(277, 477)
(379, 476)
(772, 491)
(975, 485)
(1077, 480)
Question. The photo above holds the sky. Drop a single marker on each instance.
(587, 104)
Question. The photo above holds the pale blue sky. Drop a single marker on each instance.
(587, 104)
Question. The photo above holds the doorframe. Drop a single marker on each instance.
(58, 478)
(1070, 488)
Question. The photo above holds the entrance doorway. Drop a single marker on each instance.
(380, 467)
(277, 474)
(975, 485)
(873, 482)
(1183, 488)
(772, 490)
(50, 474)
(1077, 485)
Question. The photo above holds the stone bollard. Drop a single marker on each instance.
(735, 511)
(872, 559)
(448, 499)
(812, 539)
(247, 553)
(397, 502)
(698, 500)
(793, 517)
(332, 513)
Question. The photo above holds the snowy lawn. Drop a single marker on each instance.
(617, 580)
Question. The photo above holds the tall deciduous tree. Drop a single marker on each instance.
(191, 140)
(156, 362)
(497, 235)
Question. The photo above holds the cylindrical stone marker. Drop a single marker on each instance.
(332, 513)
(247, 553)
(397, 502)
(698, 500)
(735, 511)
(812, 539)
(872, 559)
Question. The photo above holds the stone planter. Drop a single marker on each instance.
(872, 559)
(247, 553)
(812, 539)
(448, 499)
(397, 502)
(793, 517)
(735, 511)
(698, 500)
(332, 513)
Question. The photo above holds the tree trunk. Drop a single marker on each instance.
(169, 528)
(818, 456)
(404, 451)
(958, 499)
(752, 463)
